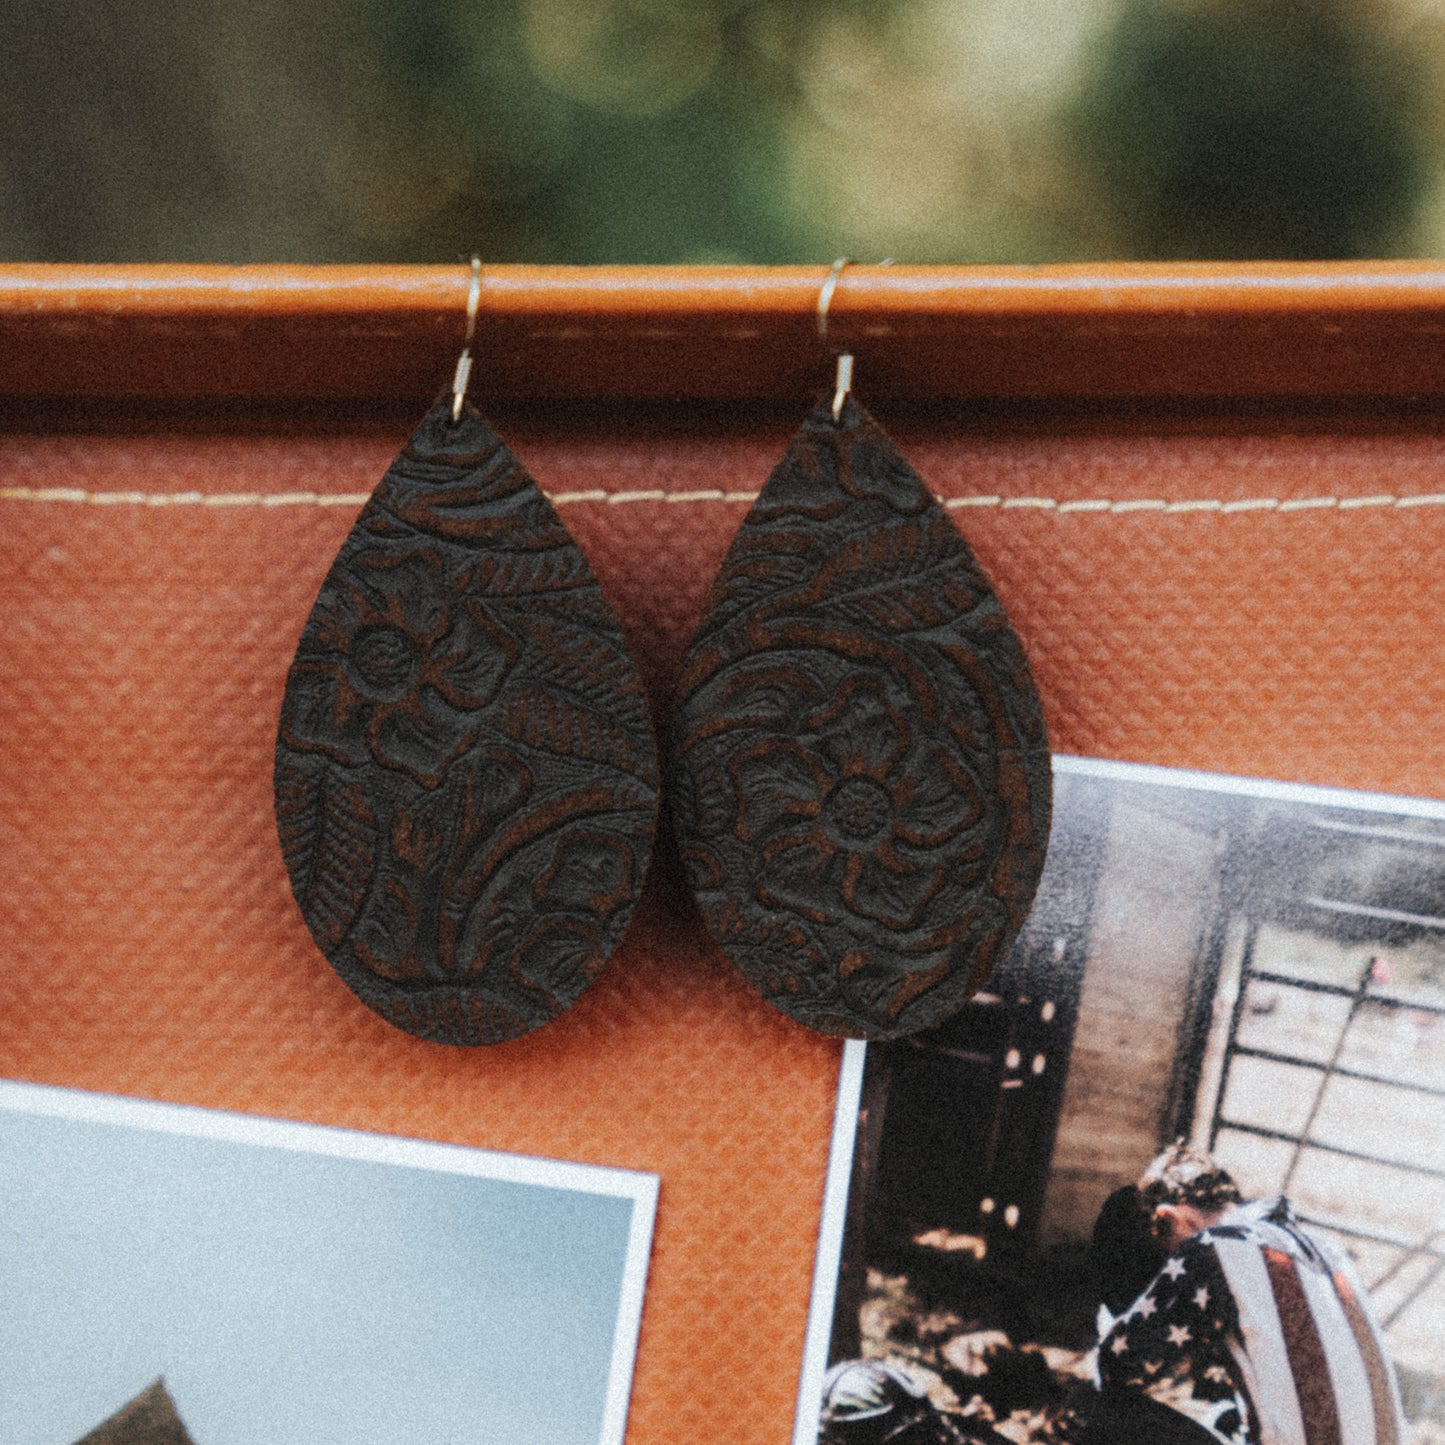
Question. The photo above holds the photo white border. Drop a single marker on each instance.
(850, 1077)
(76, 1105)
(830, 1243)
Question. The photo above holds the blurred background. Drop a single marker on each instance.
(759, 131)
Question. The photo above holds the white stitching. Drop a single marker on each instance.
(77, 497)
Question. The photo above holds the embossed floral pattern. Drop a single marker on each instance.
(394, 669)
(861, 774)
(858, 805)
(466, 780)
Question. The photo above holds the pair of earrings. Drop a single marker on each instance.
(467, 785)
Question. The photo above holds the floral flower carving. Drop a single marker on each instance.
(855, 811)
(394, 667)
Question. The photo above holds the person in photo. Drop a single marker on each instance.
(1253, 1331)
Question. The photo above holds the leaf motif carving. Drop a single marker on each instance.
(881, 556)
(524, 575)
(917, 606)
(328, 842)
(565, 657)
(545, 720)
(907, 577)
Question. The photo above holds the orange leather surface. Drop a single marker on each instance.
(1190, 612)
(923, 333)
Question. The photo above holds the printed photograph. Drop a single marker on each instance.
(1178, 1173)
(177, 1276)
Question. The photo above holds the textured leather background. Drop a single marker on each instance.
(149, 941)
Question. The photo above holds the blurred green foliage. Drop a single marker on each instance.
(1238, 130)
(719, 130)
(599, 131)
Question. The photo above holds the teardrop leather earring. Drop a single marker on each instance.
(861, 782)
(466, 779)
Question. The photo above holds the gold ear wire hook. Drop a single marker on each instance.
(844, 382)
(464, 361)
